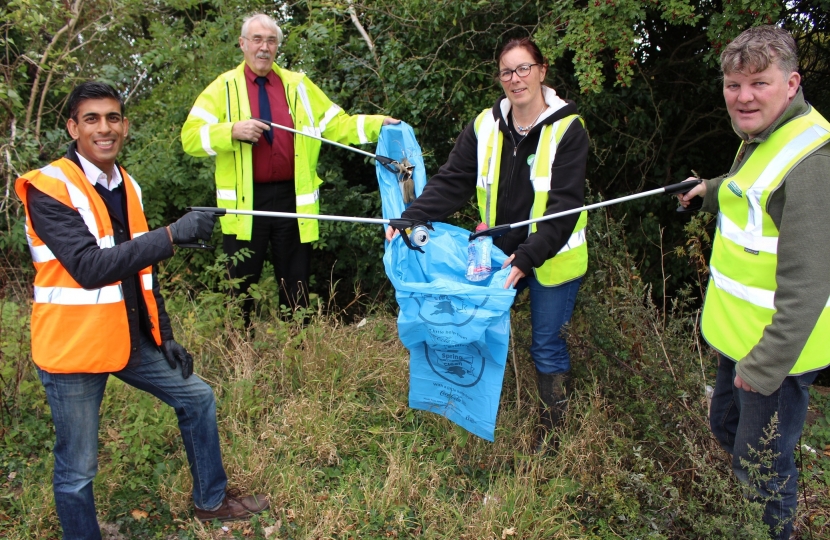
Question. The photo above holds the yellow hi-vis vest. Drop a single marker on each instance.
(740, 296)
(77, 330)
(207, 132)
(571, 262)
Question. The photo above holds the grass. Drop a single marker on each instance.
(317, 417)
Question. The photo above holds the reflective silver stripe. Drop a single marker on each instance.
(204, 135)
(41, 254)
(55, 172)
(553, 143)
(106, 242)
(136, 235)
(484, 134)
(331, 113)
(752, 236)
(774, 169)
(309, 198)
(311, 130)
(147, 281)
(541, 183)
(491, 173)
(202, 114)
(576, 240)
(303, 93)
(79, 200)
(69, 296)
(361, 129)
(728, 229)
(754, 295)
(226, 194)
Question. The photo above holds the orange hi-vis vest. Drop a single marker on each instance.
(77, 330)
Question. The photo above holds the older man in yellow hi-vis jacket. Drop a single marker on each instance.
(259, 168)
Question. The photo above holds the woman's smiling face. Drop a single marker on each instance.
(522, 91)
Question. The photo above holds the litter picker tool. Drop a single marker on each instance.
(673, 189)
(404, 169)
(416, 231)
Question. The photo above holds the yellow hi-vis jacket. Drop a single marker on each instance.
(68, 321)
(740, 296)
(571, 262)
(207, 132)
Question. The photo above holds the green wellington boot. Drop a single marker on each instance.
(553, 395)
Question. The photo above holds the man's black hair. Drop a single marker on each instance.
(91, 90)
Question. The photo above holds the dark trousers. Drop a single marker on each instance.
(738, 419)
(289, 257)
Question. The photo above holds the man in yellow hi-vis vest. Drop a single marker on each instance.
(98, 311)
(766, 311)
(259, 168)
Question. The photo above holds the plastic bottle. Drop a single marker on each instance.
(478, 256)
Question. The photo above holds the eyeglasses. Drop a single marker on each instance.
(257, 40)
(522, 71)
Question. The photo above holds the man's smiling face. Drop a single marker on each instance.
(99, 131)
(756, 100)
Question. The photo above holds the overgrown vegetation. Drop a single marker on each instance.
(317, 417)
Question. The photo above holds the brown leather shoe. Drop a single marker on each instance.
(235, 507)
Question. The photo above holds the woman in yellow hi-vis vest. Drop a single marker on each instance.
(526, 157)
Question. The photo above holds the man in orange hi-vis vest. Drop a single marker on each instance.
(98, 311)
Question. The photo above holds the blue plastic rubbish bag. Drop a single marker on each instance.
(457, 331)
(397, 141)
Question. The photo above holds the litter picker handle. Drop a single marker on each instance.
(209, 209)
(493, 232)
(684, 187)
(199, 245)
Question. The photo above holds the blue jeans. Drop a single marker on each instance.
(550, 309)
(738, 419)
(75, 399)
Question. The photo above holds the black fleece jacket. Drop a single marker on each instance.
(454, 184)
(63, 230)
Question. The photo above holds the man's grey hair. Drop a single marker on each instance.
(757, 48)
(265, 21)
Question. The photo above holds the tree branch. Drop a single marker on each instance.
(74, 11)
(366, 38)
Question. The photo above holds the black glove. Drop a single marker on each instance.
(191, 227)
(176, 354)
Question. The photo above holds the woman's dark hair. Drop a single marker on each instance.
(524, 43)
(91, 90)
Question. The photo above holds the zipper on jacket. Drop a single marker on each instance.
(508, 192)
(241, 154)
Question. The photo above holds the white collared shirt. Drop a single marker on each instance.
(97, 176)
